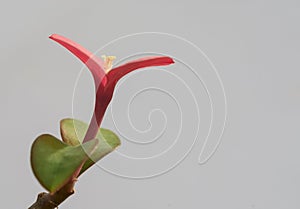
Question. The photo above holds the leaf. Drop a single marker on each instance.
(54, 162)
(73, 132)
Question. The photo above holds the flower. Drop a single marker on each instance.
(105, 76)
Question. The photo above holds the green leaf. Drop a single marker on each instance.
(73, 132)
(54, 162)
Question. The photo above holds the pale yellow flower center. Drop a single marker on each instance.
(108, 61)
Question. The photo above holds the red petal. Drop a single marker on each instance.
(117, 73)
(94, 64)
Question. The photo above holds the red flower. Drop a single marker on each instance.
(105, 76)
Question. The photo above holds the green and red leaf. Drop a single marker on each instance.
(54, 162)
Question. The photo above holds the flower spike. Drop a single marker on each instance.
(105, 76)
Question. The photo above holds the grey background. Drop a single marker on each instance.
(255, 47)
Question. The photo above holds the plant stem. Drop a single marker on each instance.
(52, 201)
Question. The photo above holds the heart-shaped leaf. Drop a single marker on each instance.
(73, 132)
(54, 162)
